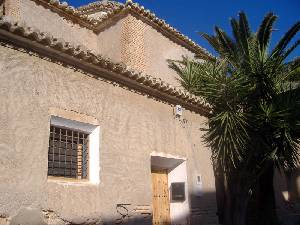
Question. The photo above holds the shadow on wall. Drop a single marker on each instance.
(203, 212)
(203, 209)
(287, 186)
(293, 185)
(287, 194)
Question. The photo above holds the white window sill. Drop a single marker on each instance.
(70, 181)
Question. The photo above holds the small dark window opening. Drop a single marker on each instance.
(178, 191)
(68, 153)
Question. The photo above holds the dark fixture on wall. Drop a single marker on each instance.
(178, 192)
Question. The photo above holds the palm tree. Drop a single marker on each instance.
(254, 126)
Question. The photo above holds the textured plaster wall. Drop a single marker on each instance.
(128, 40)
(132, 126)
(150, 50)
(141, 47)
(109, 42)
(35, 15)
(158, 49)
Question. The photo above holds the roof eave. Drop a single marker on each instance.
(76, 16)
(97, 66)
(159, 24)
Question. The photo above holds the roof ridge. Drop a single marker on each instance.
(140, 10)
(88, 56)
(129, 6)
(98, 3)
(64, 7)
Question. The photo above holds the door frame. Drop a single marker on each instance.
(166, 206)
(176, 168)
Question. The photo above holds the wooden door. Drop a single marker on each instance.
(160, 198)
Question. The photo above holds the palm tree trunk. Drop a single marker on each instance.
(240, 210)
(241, 199)
(227, 220)
(267, 204)
(220, 195)
(236, 200)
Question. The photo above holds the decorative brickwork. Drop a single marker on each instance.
(12, 8)
(133, 43)
(78, 16)
(156, 85)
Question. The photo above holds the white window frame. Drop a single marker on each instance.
(94, 143)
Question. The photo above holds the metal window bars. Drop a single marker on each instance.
(68, 153)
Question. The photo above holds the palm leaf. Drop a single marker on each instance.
(265, 30)
(284, 41)
(228, 48)
(290, 50)
(213, 41)
(244, 30)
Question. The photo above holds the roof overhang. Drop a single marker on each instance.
(79, 17)
(96, 65)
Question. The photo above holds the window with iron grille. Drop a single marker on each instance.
(68, 153)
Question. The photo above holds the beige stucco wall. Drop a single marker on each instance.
(132, 126)
(158, 50)
(37, 16)
(141, 47)
(148, 50)
(129, 39)
(109, 41)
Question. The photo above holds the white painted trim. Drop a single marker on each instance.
(167, 155)
(94, 156)
(72, 124)
(179, 211)
(94, 143)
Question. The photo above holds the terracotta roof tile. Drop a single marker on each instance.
(88, 56)
(161, 24)
(104, 6)
(113, 9)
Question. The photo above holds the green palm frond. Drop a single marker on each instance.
(212, 40)
(285, 40)
(240, 43)
(253, 94)
(265, 30)
(187, 72)
(227, 45)
(244, 30)
(235, 29)
(228, 133)
(281, 125)
(228, 137)
(291, 74)
(290, 50)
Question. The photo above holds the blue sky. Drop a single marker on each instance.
(192, 16)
